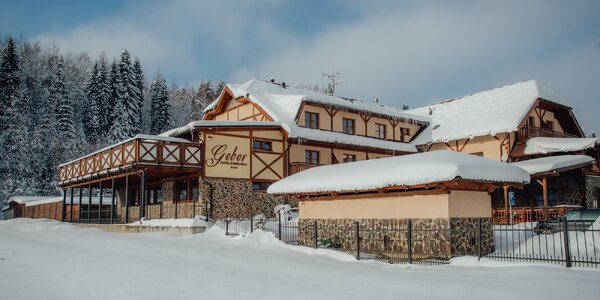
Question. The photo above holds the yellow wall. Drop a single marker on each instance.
(229, 154)
(392, 133)
(457, 204)
(489, 145)
(236, 111)
(548, 116)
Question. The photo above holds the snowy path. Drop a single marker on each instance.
(50, 260)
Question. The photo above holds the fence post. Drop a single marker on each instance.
(251, 224)
(227, 224)
(479, 240)
(316, 235)
(357, 224)
(279, 224)
(206, 210)
(409, 241)
(566, 239)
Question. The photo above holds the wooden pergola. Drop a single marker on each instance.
(139, 161)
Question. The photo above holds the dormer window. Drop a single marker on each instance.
(348, 126)
(311, 120)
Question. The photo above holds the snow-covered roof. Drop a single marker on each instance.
(37, 200)
(544, 145)
(554, 163)
(189, 126)
(407, 170)
(484, 113)
(283, 104)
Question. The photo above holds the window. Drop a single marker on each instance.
(311, 120)
(380, 130)
(348, 125)
(477, 154)
(404, 134)
(260, 186)
(182, 190)
(349, 157)
(187, 189)
(550, 125)
(311, 157)
(531, 121)
(262, 145)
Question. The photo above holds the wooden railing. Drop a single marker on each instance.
(299, 167)
(134, 151)
(533, 131)
(525, 214)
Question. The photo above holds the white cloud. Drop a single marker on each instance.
(429, 53)
(403, 53)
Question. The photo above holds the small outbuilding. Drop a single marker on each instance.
(444, 194)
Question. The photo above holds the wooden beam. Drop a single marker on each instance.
(545, 191)
(505, 197)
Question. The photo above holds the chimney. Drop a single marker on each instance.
(377, 100)
(272, 80)
(283, 85)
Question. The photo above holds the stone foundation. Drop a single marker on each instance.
(431, 238)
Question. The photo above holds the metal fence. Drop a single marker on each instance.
(571, 243)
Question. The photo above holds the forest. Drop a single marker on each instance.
(57, 106)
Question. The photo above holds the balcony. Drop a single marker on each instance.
(527, 132)
(299, 167)
(140, 151)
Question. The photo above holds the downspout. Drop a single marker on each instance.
(210, 199)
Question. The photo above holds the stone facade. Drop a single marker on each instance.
(237, 199)
(431, 238)
(567, 189)
(592, 189)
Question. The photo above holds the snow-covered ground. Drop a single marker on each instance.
(41, 259)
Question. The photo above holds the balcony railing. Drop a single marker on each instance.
(299, 167)
(140, 150)
(526, 214)
(527, 132)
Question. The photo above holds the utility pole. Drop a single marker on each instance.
(334, 80)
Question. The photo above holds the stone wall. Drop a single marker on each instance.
(237, 199)
(568, 189)
(592, 190)
(431, 238)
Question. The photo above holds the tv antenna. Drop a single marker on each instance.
(334, 80)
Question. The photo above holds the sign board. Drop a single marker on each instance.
(227, 156)
(511, 198)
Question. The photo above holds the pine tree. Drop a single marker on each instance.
(103, 97)
(10, 81)
(139, 83)
(65, 117)
(128, 95)
(15, 169)
(160, 109)
(91, 124)
(114, 94)
(202, 99)
(217, 90)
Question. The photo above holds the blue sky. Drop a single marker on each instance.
(402, 52)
